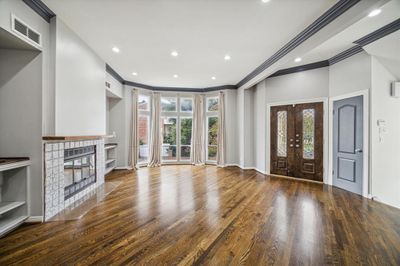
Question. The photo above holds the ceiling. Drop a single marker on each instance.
(344, 39)
(201, 31)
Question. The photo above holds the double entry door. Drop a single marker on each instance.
(297, 140)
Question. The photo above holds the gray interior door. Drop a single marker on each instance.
(348, 144)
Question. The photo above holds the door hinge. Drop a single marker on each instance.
(333, 172)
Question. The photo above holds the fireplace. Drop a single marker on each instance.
(79, 169)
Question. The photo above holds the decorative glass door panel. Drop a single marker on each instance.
(297, 140)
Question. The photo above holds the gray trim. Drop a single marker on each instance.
(345, 54)
(379, 33)
(296, 69)
(40, 8)
(330, 15)
(115, 75)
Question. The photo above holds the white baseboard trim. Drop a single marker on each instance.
(247, 168)
(34, 219)
(123, 168)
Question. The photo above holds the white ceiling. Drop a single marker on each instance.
(202, 31)
(344, 39)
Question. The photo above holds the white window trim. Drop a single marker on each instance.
(178, 114)
(208, 115)
(148, 114)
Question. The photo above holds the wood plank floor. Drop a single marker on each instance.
(206, 215)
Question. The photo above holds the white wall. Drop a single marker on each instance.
(248, 128)
(231, 127)
(350, 75)
(385, 155)
(80, 86)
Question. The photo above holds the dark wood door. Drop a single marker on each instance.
(297, 140)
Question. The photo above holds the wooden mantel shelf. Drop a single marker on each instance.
(72, 138)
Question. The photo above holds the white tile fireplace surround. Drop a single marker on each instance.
(55, 180)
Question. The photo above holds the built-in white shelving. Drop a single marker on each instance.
(110, 157)
(8, 206)
(14, 179)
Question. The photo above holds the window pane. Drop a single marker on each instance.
(168, 153)
(143, 138)
(143, 102)
(308, 133)
(212, 104)
(212, 130)
(185, 153)
(212, 153)
(168, 131)
(282, 133)
(186, 105)
(186, 131)
(168, 104)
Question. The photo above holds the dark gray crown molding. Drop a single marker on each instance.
(345, 54)
(379, 33)
(296, 69)
(114, 74)
(331, 61)
(40, 8)
(330, 15)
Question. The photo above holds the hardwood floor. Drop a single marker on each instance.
(207, 215)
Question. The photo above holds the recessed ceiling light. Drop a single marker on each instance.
(174, 53)
(298, 59)
(265, 1)
(115, 49)
(213, 78)
(175, 76)
(134, 73)
(227, 57)
(374, 13)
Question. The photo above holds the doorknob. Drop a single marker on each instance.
(358, 151)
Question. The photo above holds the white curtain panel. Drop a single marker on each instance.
(155, 137)
(198, 149)
(134, 142)
(221, 131)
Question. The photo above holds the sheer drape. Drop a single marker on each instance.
(134, 142)
(198, 131)
(221, 131)
(155, 137)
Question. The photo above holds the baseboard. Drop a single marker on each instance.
(34, 219)
(247, 168)
(123, 168)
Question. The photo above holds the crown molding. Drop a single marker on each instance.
(379, 33)
(115, 75)
(345, 54)
(41, 9)
(301, 68)
(326, 18)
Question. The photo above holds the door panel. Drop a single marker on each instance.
(348, 144)
(297, 140)
(280, 133)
